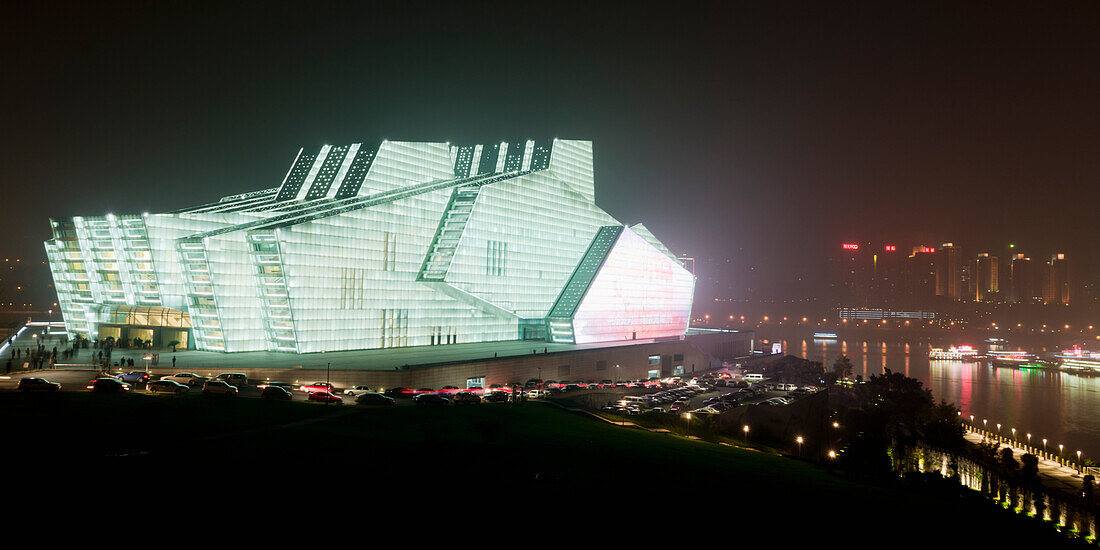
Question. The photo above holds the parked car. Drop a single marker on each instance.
(398, 392)
(325, 397)
(358, 390)
(496, 397)
(135, 377)
(187, 378)
(285, 385)
(466, 398)
(106, 384)
(219, 387)
(38, 384)
(278, 393)
(374, 400)
(167, 386)
(432, 400)
(233, 378)
(318, 386)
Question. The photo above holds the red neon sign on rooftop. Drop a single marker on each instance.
(850, 246)
(891, 248)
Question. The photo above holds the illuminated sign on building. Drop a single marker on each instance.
(850, 246)
(891, 248)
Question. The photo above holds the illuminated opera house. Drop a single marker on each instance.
(379, 245)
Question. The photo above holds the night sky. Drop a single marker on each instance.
(766, 133)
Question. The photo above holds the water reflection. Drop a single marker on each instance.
(1058, 406)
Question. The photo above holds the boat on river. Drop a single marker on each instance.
(960, 353)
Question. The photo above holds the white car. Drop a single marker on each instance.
(185, 378)
(358, 390)
(218, 386)
(536, 394)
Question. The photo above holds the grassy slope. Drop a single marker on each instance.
(525, 450)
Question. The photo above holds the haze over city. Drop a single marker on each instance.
(765, 143)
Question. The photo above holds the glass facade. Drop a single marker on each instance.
(394, 244)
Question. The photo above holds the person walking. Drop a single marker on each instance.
(173, 361)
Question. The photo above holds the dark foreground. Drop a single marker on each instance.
(492, 464)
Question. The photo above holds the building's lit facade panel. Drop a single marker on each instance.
(523, 239)
(390, 244)
(638, 293)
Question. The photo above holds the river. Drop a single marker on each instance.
(1061, 407)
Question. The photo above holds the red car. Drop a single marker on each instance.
(318, 387)
(325, 397)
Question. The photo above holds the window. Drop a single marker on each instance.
(389, 251)
(395, 328)
(353, 291)
(654, 360)
(678, 370)
(443, 335)
(496, 257)
(478, 382)
(678, 357)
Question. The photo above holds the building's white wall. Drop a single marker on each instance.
(404, 163)
(571, 162)
(547, 227)
(339, 288)
(234, 281)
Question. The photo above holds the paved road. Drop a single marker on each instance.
(1050, 472)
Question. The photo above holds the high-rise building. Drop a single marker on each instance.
(852, 269)
(1022, 280)
(920, 276)
(948, 272)
(984, 280)
(1056, 280)
(377, 246)
(887, 266)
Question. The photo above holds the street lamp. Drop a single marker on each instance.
(1028, 440)
(745, 428)
(1060, 450)
(799, 440)
(1014, 434)
(836, 424)
(832, 454)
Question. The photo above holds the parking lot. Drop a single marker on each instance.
(706, 398)
(80, 379)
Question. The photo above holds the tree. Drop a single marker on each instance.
(173, 344)
(1029, 469)
(1011, 470)
(842, 367)
(1088, 483)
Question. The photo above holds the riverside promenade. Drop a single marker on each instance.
(1054, 472)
